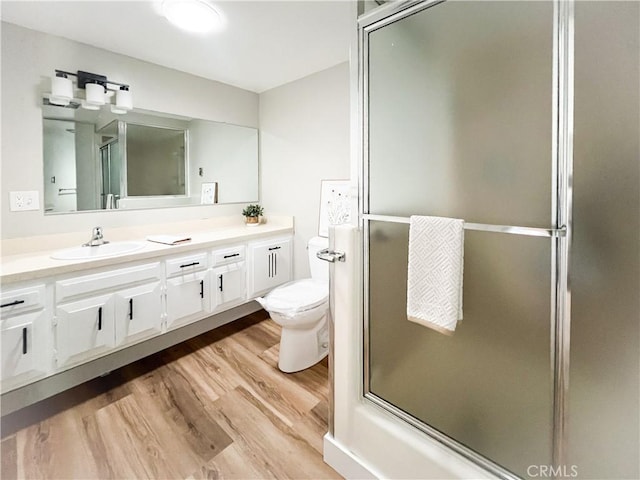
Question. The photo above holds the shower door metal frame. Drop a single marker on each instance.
(560, 234)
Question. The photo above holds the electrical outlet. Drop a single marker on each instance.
(27, 200)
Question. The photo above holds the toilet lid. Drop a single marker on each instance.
(298, 296)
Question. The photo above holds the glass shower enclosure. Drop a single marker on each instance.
(468, 112)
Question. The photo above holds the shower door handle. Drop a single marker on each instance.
(330, 256)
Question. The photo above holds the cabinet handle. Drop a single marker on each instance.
(274, 248)
(232, 255)
(99, 318)
(189, 264)
(11, 304)
(270, 262)
(201, 288)
(24, 341)
(275, 264)
(220, 284)
(131, 309)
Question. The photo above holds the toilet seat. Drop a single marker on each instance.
(296, 297)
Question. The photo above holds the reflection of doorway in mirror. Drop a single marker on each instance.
(59, 146)
(209, 194)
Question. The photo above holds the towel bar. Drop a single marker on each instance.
(483, 227)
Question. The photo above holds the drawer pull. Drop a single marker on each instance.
(232, 255)
(189, 264)
(24, 341)
(11, 304)
(131, 309)
(201, 288)
(220, 284)
(274, 248)
(99, 318)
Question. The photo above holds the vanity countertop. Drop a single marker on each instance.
(35, 264)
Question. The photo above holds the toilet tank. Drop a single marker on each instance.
(319, 268)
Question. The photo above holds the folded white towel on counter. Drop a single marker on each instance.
(434, 282)
(169, 239)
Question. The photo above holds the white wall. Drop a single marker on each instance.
(29, 58)
(227, 155)
(304, 128)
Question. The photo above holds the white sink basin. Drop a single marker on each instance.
(100, 251)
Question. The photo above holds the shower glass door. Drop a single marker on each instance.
(110, 170)
(460, 123)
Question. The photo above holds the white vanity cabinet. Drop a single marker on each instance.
(95, 313)
(82, 319)
(188, 289)
(229, 277)
(23, 332)
(270, 265)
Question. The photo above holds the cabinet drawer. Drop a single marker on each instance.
(82, 285)
(186, 264)
(228, 255)
(22, 300)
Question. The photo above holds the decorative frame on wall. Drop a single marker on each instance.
(335, 204)
(209, 193)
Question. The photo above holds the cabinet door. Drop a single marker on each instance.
(20, 355)
(229, 285)
(188, 298)
(271, 266)
(84, 329)
(138, 313)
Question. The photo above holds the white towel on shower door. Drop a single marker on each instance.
(434, 282)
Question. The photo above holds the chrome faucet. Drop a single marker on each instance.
(96, 238)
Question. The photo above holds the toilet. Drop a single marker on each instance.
(301, 308)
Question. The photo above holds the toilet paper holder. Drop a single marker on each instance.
(330, 256)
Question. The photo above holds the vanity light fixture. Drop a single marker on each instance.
(197, 16)
(98, 92)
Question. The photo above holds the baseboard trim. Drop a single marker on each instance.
(345, 462)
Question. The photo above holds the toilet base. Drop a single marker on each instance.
(302, 348)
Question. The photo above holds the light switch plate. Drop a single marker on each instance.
(27, 200)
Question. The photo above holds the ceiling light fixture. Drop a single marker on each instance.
(197, 16)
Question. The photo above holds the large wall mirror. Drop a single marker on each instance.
(95, 160)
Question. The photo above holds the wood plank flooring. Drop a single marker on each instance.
(213, 407)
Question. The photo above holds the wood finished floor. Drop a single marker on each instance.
(214, 407)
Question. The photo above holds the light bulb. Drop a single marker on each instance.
(61, 90)
(95, 94)
(124, 100)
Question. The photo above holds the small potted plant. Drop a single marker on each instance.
(252, 214)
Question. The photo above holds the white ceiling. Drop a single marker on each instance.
(264, 44)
